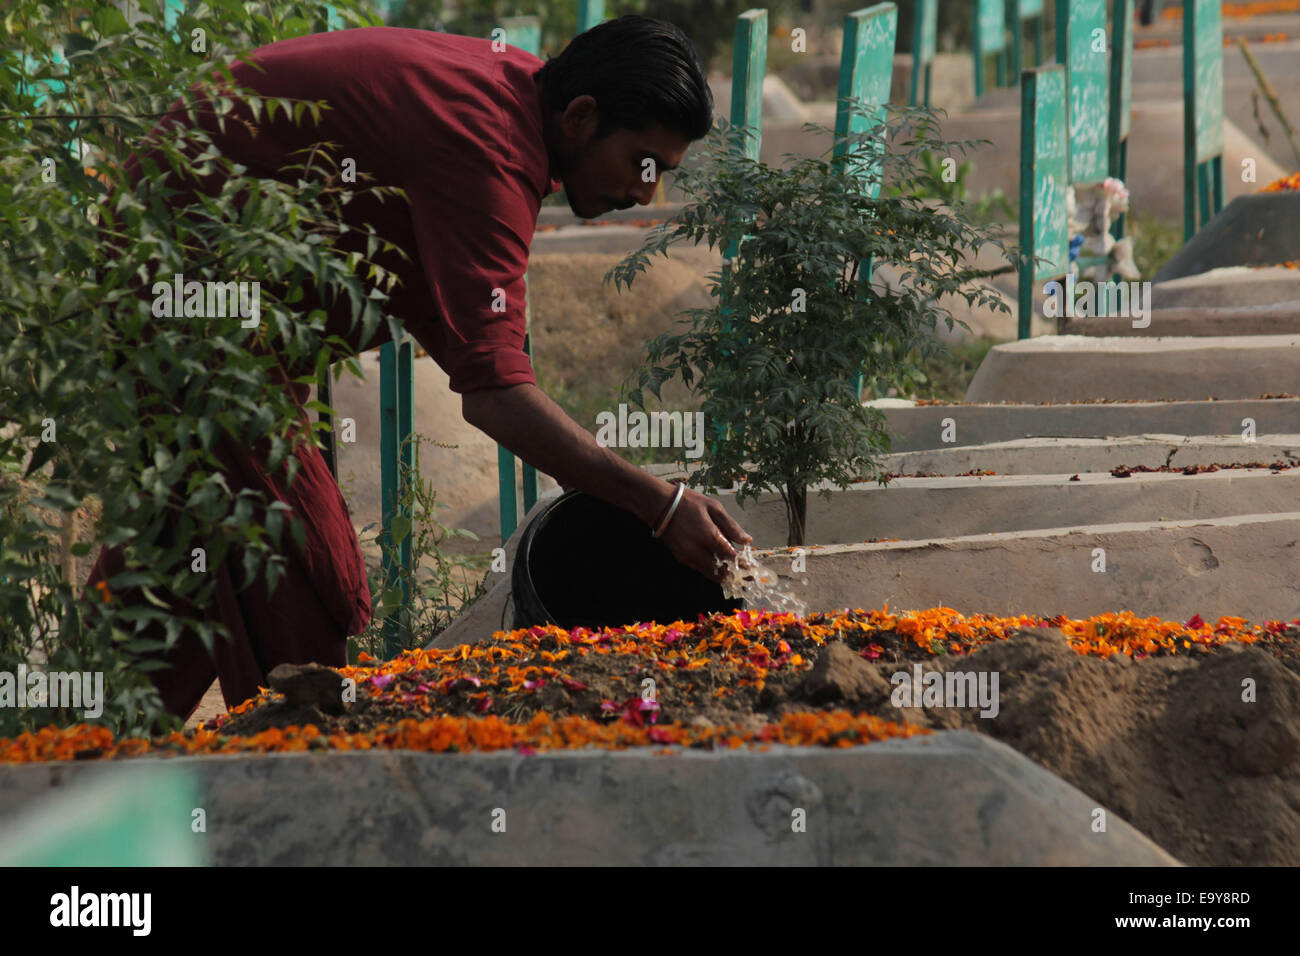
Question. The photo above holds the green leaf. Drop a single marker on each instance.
(43, 453)
(401, 527)
(208, 433)
(110, 22)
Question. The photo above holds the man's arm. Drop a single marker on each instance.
(527, 422)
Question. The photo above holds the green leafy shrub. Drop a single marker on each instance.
(99, 396)
(798, 321)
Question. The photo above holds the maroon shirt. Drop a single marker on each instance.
(459, 128)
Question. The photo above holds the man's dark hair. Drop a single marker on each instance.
(639, 70)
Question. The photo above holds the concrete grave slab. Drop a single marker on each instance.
(920, 508)
(917, 427)
(949, 799)
(1070, 456)
(1281, 318)
(1229, 287)
(1067, 368)
(1242, 565)
(1254, 230)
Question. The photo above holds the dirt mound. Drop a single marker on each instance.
(1193, 741)
(1167, 743)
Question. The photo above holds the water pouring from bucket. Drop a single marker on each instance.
(757, 586)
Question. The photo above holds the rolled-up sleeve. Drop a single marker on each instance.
(473, 219)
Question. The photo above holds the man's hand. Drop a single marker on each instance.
(701, 532)
(528, 423)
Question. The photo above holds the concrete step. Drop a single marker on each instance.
(1069, 368)
(1228, 287)
(927, 508)
(921, 427)
(1279, 318)
(1070, 456)
(953, 798)
(1242, 565)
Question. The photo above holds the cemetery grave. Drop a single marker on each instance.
(1107, 522)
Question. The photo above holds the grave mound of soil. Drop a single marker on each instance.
(1191, 732)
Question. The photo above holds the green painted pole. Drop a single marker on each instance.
(396, 466)
(748, 66)
(1016, 24)
(526, 34)
(1018, 12)
(1028, 139)
(1216, 180)
(924, 26)
(866, 69)
(325, 391)
(396, 460)
(1121, 94)
(590, 13)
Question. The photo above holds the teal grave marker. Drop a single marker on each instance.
(990, 40)
(1083, 47)
(1044, 178)
(1202, 113)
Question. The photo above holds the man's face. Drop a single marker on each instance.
(615, 172)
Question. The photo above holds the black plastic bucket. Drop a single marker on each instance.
(584, 563)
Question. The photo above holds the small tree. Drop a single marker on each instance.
(777, 360)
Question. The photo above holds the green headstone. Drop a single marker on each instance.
(927, 20)
(1044, 178)
(866, 69)
(748, 65)
(1082, 45)
(990, 38)
(990, 22)
(1202, 113)
(1203, 76)
(523, 32)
